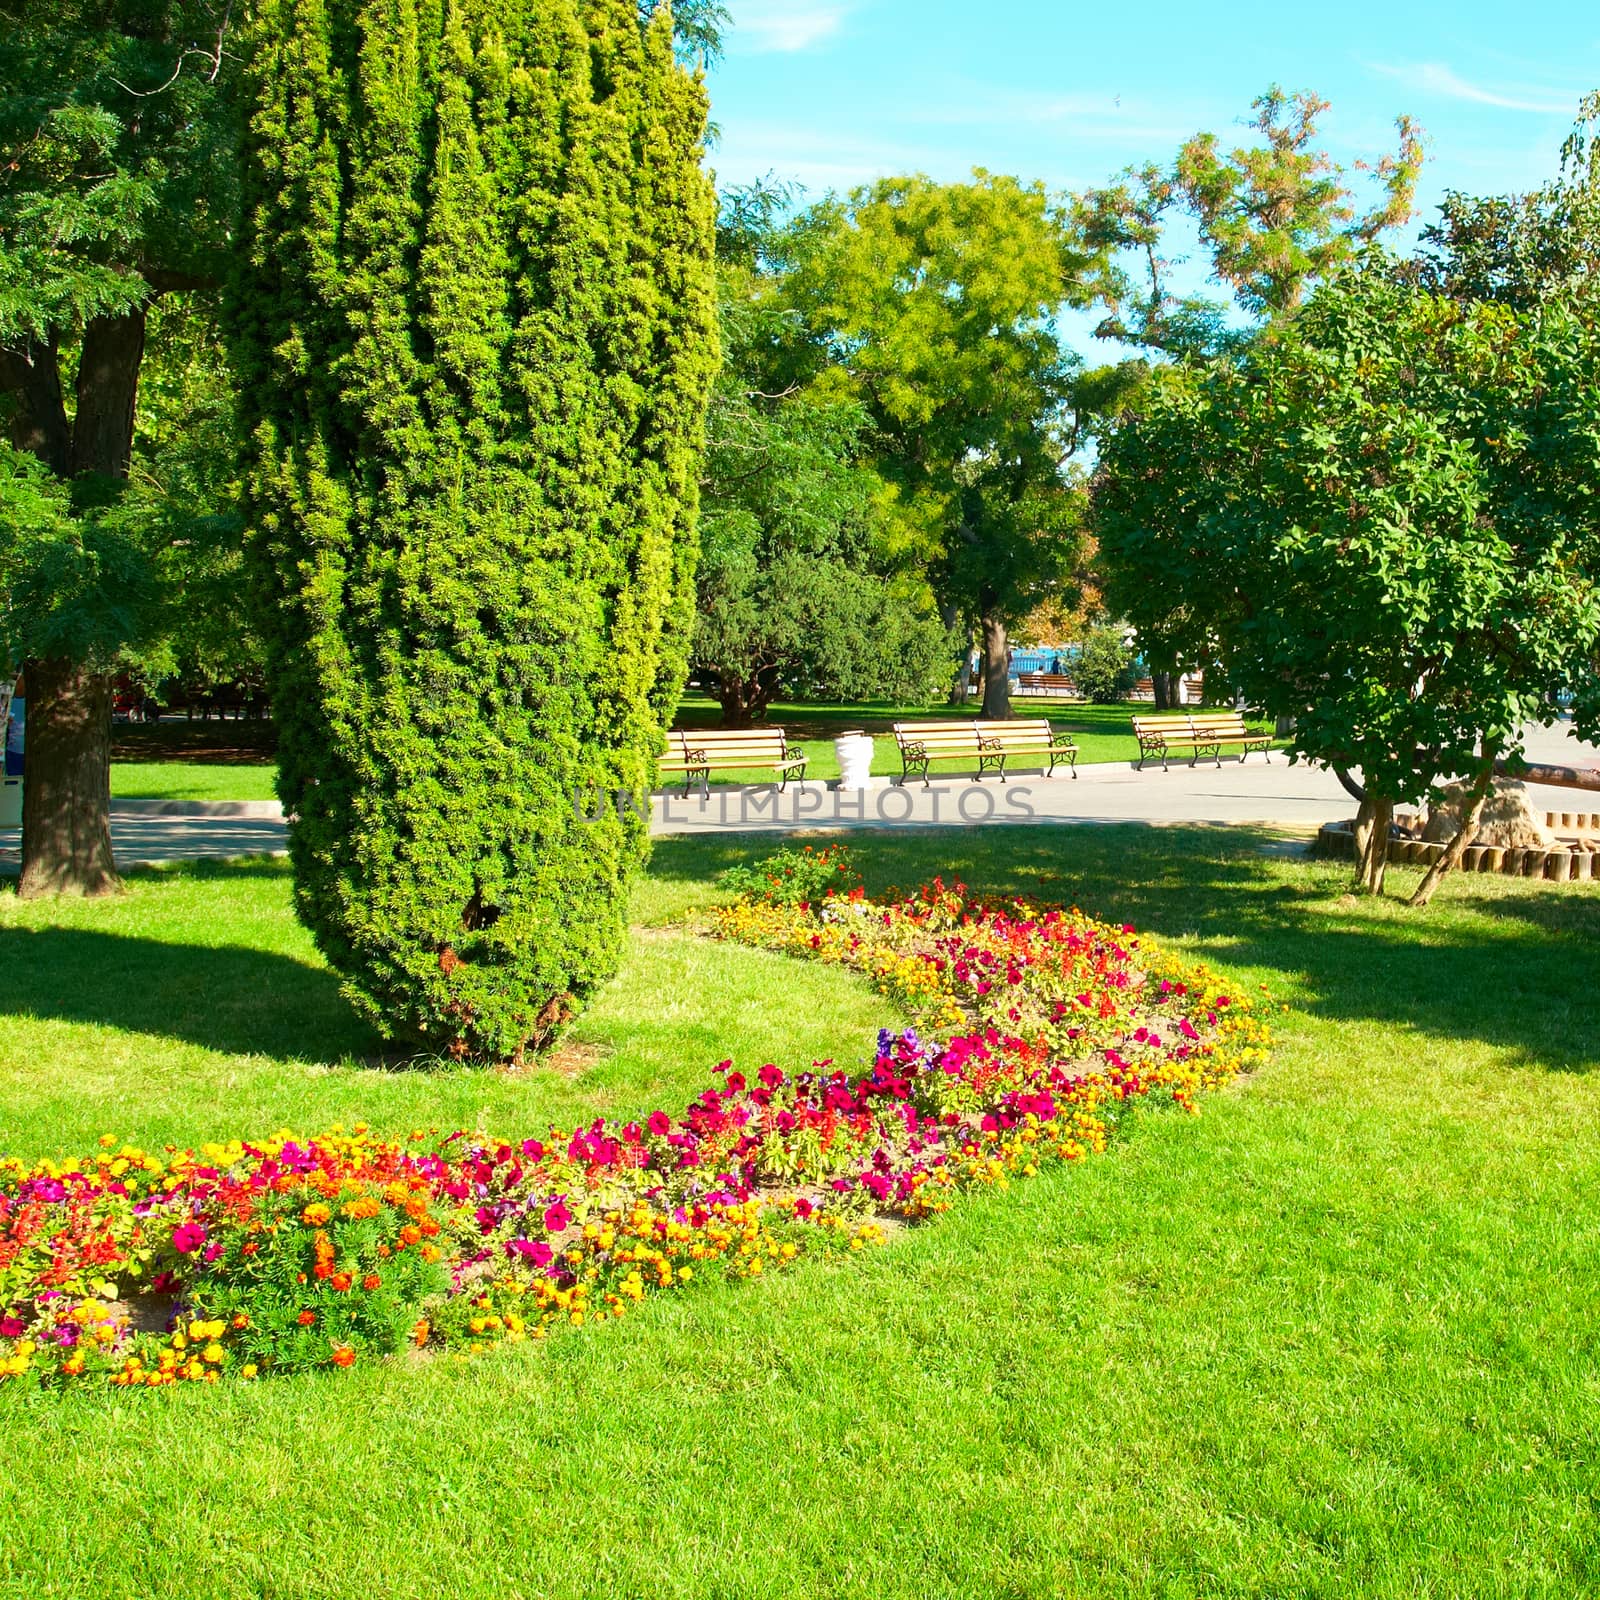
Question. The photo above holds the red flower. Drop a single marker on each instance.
(371, 1281)
(343, 1356)
(660, 1124)
(306, 1318)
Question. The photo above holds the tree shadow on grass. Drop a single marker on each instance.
(1513, 967)
(236, 999)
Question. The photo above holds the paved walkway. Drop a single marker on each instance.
(1253, 793)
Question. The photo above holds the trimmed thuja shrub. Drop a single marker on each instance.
(475, 332)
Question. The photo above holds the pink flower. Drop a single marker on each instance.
(188, 1237)
(533, 1250)
(770, 1076)
(557, 1217)
(660, 1124)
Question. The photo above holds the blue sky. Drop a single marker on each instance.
(835, 92)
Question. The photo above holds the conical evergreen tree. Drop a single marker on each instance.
(475, 331)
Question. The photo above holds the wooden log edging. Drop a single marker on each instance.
(1577, 862)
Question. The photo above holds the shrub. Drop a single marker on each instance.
(1104, 669)
(792, 877)
(474, 337)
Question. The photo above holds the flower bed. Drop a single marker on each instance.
(1035, 1026)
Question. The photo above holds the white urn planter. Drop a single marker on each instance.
(854, 751)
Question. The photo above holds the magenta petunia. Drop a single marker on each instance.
(659, 1124)
(187, 1237)
(557, 1217)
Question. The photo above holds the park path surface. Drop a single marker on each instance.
(1254, 793)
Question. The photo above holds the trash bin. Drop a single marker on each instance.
(854, 751)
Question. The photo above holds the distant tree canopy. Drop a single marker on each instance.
(936, 304)
(1380, 521)
(1520, 249)
(474, 342)
(799, 588)
(1275, 217)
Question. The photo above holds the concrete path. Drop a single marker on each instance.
(1253, 793)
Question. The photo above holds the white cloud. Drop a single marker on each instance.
(1433, 77)
(820, 160)
(764, 26)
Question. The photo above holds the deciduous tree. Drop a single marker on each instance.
(115, 188)
(939, 303)
(1380, 521)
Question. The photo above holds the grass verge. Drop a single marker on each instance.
(1334, 1338)
(1102, 733)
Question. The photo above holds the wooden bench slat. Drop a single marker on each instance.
(1202, 734)
(989, 743)
(695, 751)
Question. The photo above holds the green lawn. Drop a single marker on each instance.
(1337, 1337)
(193, 780)
(1102, 733)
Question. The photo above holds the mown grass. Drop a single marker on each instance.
(1335, 1338)
(193, 780)
(1102, 733)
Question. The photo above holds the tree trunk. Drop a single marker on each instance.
(108, 385)
(960, 685)
(66, 790)
(996, 672)
(1161, 682)
(1372, 843)
(1355, 790)
(1468, 831)
(744, 700)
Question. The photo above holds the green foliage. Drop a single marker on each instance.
(475, 338)
(798, 588)
(143, 573)
(1277, 214)
(1104, 670)
(1520, 249)
(1275, 217)
(791, 877)
(1380, 522)
(352, 1275)
(937, 303)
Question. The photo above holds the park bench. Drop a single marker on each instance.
(695, 751)
(1048, 683)
(989, 743)
(1201, 734)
